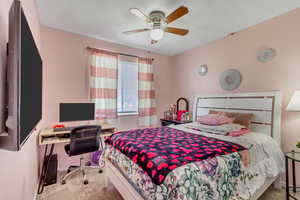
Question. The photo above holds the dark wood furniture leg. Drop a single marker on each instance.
(287, 177)
(294, 176)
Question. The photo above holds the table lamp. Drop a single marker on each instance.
(294, 104)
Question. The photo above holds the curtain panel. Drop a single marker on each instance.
(103, 84)
(147, 104)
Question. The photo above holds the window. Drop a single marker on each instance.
(127, 86)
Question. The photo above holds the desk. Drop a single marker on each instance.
(48, 137)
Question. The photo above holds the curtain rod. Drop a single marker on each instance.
(123, 54)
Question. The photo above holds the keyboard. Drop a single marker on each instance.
(60, 129)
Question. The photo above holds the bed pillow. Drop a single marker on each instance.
(239, 118)
(239, 133)
(215, 119)
(225, 129)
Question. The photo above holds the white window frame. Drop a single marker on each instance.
(126, 113)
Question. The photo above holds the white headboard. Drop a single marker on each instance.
(266, 107)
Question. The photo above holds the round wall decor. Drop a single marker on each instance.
(202, 70)
(266, 55)
(230, 79)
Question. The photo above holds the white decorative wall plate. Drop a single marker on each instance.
(230, 79)
(202, 70)
(266, 55)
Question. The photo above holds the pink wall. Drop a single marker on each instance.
(239, 52)
(66, 78)
(18, 170)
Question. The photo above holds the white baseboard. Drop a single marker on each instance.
(36, 191)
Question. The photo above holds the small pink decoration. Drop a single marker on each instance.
(215, 119)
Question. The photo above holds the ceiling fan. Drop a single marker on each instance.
(158, 22)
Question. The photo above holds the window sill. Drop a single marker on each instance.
(128, 113)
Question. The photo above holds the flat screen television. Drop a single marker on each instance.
(24, 80)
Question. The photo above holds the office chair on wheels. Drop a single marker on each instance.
(83, 139)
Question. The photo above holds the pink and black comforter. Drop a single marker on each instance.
(158, 151)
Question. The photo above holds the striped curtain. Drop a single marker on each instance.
(147, 105)
(103, 84)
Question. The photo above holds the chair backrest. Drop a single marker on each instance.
(84, 139)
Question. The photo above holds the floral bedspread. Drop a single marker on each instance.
(224, 177)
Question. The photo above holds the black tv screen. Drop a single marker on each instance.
(24, 81)
(76, 112)
(31, 82)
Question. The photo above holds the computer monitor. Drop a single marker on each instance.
(76, 112)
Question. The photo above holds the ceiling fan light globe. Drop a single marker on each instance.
(156, 34)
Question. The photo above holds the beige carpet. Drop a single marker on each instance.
(74, 189)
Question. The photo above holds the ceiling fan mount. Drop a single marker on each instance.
(157, 16)
(158, 21)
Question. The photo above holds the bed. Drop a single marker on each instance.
(219, 177)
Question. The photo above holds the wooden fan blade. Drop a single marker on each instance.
(138, 13)
(177, 31)
(136, 31)
(181, 11)
(154, 41)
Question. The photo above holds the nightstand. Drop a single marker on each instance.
(166, 122)
(291, 192)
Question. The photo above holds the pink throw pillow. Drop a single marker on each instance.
(215, 119)
(240, 118)
(239, 133)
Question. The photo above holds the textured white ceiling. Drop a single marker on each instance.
(207, 21)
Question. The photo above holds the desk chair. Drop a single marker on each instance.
(83, 139)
